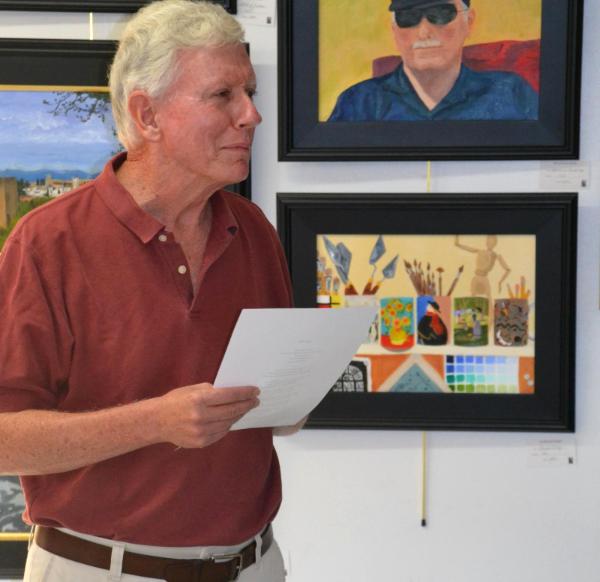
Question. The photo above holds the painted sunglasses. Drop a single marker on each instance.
(439, 14)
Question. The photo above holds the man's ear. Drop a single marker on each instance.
(471, 14)
(143, 114)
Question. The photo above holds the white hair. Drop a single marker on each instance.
(146, 58)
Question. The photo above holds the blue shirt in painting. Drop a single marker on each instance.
(475, 95)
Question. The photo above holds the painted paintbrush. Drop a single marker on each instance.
(411, 274)
(458, 274)
(440, 270)
(429, 279)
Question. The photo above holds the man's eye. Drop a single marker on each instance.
(226, 93)
(251, 93)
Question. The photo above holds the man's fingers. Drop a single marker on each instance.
(230, 412)
(221, 396)
(211, 432)
(201, 414)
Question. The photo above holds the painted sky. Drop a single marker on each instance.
(32, 138)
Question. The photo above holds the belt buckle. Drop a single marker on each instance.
(239, 565)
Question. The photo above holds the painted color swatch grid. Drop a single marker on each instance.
(483, 374)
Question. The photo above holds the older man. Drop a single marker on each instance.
(431, 83)
(117, 302)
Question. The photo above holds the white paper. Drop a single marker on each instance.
(553, 452)
(564, 176)
(293, 355)
(261, 12)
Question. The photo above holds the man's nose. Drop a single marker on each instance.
(249, 115)
(424, 28)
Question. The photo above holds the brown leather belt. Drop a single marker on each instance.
(222, 568)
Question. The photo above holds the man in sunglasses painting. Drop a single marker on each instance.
(431, 82)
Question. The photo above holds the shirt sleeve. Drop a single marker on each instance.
(35, 340)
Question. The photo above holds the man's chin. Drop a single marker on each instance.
(429, 64)
(238, 173)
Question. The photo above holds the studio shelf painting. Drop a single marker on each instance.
(475, 295)
(455, 311)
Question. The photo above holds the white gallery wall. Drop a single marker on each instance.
(352, 499)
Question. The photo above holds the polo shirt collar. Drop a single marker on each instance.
(464, 87)
(399, 83)
(143, 225)
(223, 218)
(465, 84)
(122, 205)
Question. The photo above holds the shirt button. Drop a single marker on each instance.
(162, 237)
(182, 269)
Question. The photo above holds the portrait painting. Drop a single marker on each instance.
(429, 79)
(415, 60)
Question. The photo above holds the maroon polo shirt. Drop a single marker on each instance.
(97, 310)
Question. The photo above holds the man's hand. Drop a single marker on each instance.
(199, 415)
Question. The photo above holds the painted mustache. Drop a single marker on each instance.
(429, 43)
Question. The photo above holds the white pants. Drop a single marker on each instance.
(42, 566)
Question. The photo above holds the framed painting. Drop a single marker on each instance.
(14, 533)
(476, 297)
(56, 130)
(92, 5)
(453, 81)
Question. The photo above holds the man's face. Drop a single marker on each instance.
(207, 117)
(434, 47)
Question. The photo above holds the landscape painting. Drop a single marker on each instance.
(51, 141)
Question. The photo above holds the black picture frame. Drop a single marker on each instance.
(50, 62)
(30, 63)
(551, 217)
(554, 135)
(118, 6)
